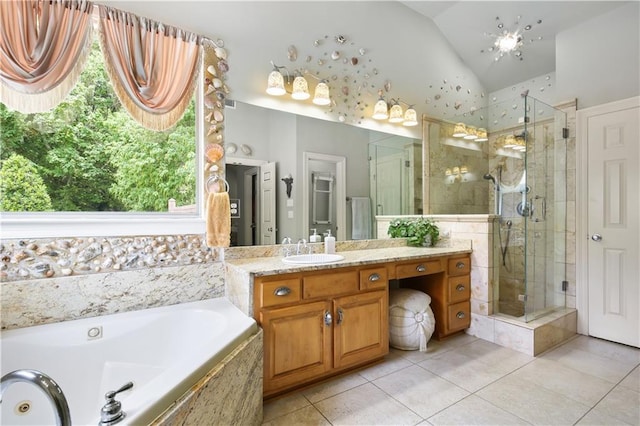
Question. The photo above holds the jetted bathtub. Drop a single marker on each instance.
(163, 351)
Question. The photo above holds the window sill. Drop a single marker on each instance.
(66, 225)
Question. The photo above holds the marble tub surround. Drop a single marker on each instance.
(34, 302)
(240, 272)
(231, 393)
(57, 257)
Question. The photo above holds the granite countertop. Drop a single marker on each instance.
(272, 265)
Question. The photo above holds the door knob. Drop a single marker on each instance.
(596, 237)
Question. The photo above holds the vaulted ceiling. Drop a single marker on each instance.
(433, 54)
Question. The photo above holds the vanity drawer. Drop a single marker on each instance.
(459, 266)
(459, 315)
(374, 278)
(419, 268)
(329, 284)
(459, 288)
(279, 292)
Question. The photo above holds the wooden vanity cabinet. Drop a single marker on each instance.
(319, 323)
(447, 280)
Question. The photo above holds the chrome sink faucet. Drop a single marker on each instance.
(286, 246)
(303, 247)
(46, 385)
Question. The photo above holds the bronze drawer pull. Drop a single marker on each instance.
(421, 268)
(460, 287)
(460, 265)
(374, 277)
(282, 291)
(460, 315)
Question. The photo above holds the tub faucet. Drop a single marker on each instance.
(111, 413)
(46, 385)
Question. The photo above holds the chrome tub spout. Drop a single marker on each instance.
(46, 385)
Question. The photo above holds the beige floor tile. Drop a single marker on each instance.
(632, 381)
(532, 402)
(599, 418)
(475, 411)
(438, 347)
(392, 362)
(493, 354)
(622, 404)
(420, 390)
(308, 416)
(582, 387)
(333, 387)
(591, 363)
(462, 370)
(366, 405)
(283, 405)
(606, 349)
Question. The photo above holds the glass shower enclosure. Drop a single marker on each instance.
(528, 173)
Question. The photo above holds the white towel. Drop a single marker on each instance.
(360, 218)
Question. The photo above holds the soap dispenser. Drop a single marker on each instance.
(329, 243)
(315, 238)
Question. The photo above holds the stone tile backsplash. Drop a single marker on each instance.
(24, 259)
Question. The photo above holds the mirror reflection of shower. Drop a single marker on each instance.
(496, 189)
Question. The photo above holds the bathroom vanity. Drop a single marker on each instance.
(321, 320)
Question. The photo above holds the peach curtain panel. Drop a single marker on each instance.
(152, 67)
(43, 49)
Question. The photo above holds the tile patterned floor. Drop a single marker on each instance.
(469, 381)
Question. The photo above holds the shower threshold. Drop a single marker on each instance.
(533, 337)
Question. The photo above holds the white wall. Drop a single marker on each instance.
(598, 61)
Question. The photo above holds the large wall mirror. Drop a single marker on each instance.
(385, 168)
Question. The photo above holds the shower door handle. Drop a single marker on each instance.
(596, 237)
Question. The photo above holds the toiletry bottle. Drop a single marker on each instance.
(330, 243)
(315, 238)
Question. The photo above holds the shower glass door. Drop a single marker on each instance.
(542, 205)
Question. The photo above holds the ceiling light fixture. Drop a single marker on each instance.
(512, 41)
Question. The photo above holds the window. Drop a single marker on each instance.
(87, 163)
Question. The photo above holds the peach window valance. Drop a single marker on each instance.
(153, 67)
(43, 49)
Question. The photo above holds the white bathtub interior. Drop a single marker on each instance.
(163, 351)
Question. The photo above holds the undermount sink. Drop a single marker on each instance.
(312, 259)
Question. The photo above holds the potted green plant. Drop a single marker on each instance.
(420, 231)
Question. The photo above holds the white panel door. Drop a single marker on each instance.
(268, 203)
(614, 225)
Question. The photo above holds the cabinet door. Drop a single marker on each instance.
(361, 330)
(297, 344)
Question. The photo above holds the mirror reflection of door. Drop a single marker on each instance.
(252, 183)
(268, 204)
(334, 167)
